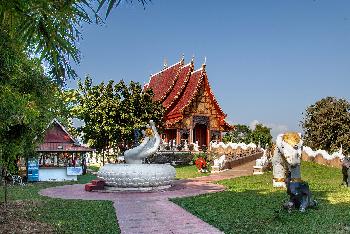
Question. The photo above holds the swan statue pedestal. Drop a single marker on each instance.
(134, 175)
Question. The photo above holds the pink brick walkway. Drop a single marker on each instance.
(152, 212)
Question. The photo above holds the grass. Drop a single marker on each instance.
(73, 216)
(94, 168)
(188, 171)
(252, 205)
(66, 216)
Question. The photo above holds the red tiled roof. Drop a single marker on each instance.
(57, 139)
(162, 82)
(179, 86)
(57, 134)
(190, 92)
(176, 87)
(226, 126)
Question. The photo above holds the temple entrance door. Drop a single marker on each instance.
(170, 135)
(200, 134)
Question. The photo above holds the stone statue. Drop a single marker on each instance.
(219, 163)
(286, 171)
(134, 175)
(185, 146)
(195, 146)
(148, 146)
(261, 163)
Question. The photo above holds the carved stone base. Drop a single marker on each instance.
(278, 184)
(137, 175)
(258, 170)
(215, 169)
(140, 189)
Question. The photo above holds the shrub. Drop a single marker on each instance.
(169, 157)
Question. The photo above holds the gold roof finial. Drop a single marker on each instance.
(182, 61)
(165, 62)
(192, 60)
(205, 62)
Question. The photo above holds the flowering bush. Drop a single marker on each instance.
(201, 164)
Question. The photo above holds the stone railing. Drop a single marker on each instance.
(322, 157)
(227, 156)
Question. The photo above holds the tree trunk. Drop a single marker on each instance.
(5, 190)
(4, 177)
(108, 160)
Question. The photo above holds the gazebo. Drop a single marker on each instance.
(60, 156)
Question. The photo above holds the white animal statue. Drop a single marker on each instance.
(219, 163)
(148, 146)
(286, 171)
(185, 146)
(287, 155)
(263, 161)
(196, 146)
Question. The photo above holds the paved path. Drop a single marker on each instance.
(152, 212)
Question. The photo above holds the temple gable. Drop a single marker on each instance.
(192, 112)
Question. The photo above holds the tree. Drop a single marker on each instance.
(261, 135)
(51, 29)
(26, 104)
(326, 125)
(111, 112)
(241, 133)
(114, 3)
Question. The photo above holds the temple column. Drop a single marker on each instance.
(208, 137)
(166, 139)
(191, 135)
(178, 136)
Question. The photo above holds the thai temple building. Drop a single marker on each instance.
(192, 112)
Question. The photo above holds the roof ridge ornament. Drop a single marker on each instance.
(165, 63)
(205, 63)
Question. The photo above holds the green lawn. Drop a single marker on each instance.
(66, 216)
(252, 205)
(188, 171)
(73, 216)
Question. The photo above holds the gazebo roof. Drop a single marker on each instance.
(58, 139)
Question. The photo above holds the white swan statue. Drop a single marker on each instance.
(133, 175)
(148, 146)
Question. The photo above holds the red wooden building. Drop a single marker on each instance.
(60, 155)
(57, 140)
(192, 112)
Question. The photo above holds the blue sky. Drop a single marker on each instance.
(266, 60)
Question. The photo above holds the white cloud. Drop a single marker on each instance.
(254, 123)
(275, 128)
